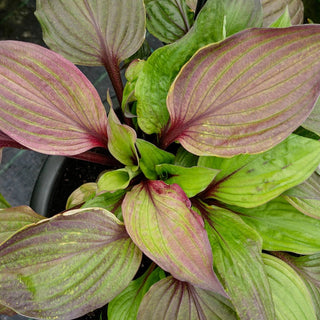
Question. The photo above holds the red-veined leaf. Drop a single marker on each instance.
(172, 299)
(90, 32)
(46, 103)
(247, 93)
(160, 221)
(272, 9)
(66, 266)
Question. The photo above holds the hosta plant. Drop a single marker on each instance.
(210, 158)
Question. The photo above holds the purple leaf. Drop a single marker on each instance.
(246, 93)
(6, 141)
(173, 299)
(160, 221)
(46, 103)
(66, 266)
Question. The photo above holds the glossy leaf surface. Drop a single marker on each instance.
(237, 249)
(125, 306)
(13, 219)
(68, 265)
(306, 196)
(247, 93)
(150, 156)
(168, 20)
(272, 9)
(46, 103)
(282, 227)
(290, 295)
(192, 180)
(216, 20)
(173, 299)
(160, 221)
(252, 180)
(89, 32)
(121, 141)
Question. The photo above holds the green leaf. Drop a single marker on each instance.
(257, 86)
(306, 196)
(273, 9)
(89, 32)
(132, 74)
(282, 227)
(125, 306)
(185, 158)
(46, 103)
(252, 180)
(173, 299)
(164, 64)
(160, 221)
(116, 179)
(308, 267)
(150, 156)
(216, 19)
(3, 202)
(14, 219)
(283, 21)
(290, 295)
(192, 180)
(236, 250)
(67, 266)
(110, 201)
(81, 194)
(312, 123)
(121, 141)
(168, 20)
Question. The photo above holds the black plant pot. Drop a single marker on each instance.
(58, 177)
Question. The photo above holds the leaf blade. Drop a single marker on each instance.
(81, 251)
(47, 104)
(256, 88)
(157, 218)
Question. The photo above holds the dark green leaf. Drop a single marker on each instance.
(3, 202)
(150, 156)
(168, 20)
(236, 250)
(185, 158)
